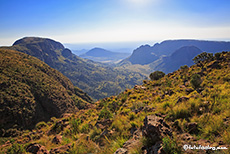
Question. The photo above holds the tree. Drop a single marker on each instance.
(196, 81)
(202, 57)
(185, 67)
(156, 75)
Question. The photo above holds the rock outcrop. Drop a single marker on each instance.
(36, 148)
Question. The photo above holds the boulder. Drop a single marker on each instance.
(189, 90)
(103, 124)
(36, 148)
(192, 127)
(155, 128)
(182, 99)
(57, 139)
(121, 151)
(62, 149)
(139, 87)
(169, 92)
(137, 134)
(138, 110)
(131, 144)
(187, 138)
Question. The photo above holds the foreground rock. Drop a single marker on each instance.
(62, 149)
(36, 148)
(155, 129)
(131, 145)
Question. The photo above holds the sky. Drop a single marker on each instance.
(106, 21)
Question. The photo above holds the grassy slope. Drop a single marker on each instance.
(31, 91)
(208, 106)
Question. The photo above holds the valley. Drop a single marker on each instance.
(190, 105)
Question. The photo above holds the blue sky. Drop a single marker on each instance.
(92, 21)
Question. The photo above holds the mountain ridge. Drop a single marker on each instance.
(94, 78)
(167, 47)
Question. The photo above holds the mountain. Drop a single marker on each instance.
(31, 91)
(142, 55)
(182, 56)
(79, 52)
(147, 54)
(187, 107)
(168, 55)
(95, 79)
(104, 56)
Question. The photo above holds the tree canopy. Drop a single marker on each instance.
(202, 57)
(156, 75)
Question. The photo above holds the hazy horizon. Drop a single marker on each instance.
(108, 22)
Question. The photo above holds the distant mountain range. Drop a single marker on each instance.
(104, 56)
(169, 55)
(95, 79)
(79, 52)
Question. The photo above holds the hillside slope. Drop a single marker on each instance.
(187, 107)
(182, 56)
(31, 91)
(95, 79)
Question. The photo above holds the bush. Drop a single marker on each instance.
(217, 55)
(94, 133)
(75, 123)
(156, 75)
(137, 105)
(202, 57)
(85, 128)
(170, 146)
(185, 67)
(16, 148)
(105, 113)
(41, 125)
(196, 81)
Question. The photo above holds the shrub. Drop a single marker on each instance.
(137, 105)
(94, 133)
(133, 124)
(180, 112)
(132, 116)
(105, 113)
(165, 105)
(16, 148)
(202, 57)
(196, 81)
(85, 128)
(41, 125)
(156, 75)
(217, 55)
(75, 125)
(185, 67)
(170, 146)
